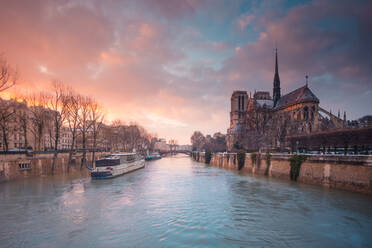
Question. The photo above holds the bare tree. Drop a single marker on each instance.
(8, 76)
(84, 125)
(121, 137)
(73, 108)
(96, 117)
(116, 135)
(7, 112)
(258, 120)
(22, 117)
(38, 116)
(134, 136)
(197, 141)
(153, 139)
(58, 105)
(143, 142)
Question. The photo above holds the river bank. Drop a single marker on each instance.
(19, 166)
(352, 173)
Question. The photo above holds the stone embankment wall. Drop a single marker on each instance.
(18, 166)
(353, 173)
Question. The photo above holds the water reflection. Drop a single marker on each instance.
(175, 202)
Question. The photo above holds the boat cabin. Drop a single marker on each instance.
(117, 159)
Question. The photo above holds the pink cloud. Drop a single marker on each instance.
(132, 56)
(245, 20)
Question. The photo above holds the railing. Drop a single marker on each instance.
(30, 153)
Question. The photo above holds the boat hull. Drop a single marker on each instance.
(116, 171)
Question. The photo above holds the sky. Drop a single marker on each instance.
(172, 65)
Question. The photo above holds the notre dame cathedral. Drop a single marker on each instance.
(262, 121)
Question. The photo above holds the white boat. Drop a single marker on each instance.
(116, 165)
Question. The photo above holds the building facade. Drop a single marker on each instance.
(14, 123)
(161, 145)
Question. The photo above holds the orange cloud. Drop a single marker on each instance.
(146, 30)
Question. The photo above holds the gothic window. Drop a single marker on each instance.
(306, 113)
(310, 129)
(312, 112)
(239, 104)
(242, 102)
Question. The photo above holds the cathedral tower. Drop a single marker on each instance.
(239, 102)
(276, 89)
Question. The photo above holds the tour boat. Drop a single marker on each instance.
(116, 165)
(152, 157)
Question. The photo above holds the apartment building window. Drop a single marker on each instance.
(24, 166)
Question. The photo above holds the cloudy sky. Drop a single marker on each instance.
(171, 65)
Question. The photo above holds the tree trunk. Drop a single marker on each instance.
(5, 139)
(94, 151)
(93, 158)
(26, 141)
(55, 147)
(55, 155)
(70, 153)
(83, 159)
(40, 134)
(54, 161)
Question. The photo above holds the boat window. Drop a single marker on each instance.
(130, 158)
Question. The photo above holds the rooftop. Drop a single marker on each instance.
(300, 95)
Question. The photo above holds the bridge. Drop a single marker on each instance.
(187, 152)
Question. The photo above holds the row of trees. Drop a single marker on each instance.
(49, 113)
(46, 113)
(215, 143)
(127, 137)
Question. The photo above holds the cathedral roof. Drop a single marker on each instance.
(299, 95)
(265, 103)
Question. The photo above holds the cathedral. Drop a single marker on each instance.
(263, 121)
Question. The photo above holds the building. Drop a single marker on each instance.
(184, 148)
(14, 123)
(64, 142)
(263, 121)
(161, 145)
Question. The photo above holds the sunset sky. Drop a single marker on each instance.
(171, 65)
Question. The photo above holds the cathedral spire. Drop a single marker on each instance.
(276, 88)
(276, 61)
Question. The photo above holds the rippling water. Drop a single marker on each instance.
(175, 202)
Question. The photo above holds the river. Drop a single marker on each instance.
(176, 202)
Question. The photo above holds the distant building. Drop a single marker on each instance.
(365, 121)
(161, 145)
(14, 120)
(184, 148)
(64, 142)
